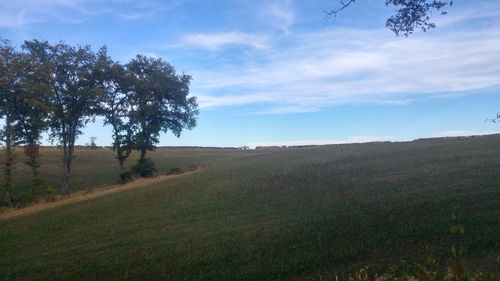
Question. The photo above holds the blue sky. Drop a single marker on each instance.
(275, 72)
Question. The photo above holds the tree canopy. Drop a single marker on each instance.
(159, 101)
(75, 94)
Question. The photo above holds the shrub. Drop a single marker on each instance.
(24, 198)
(50, 194)
(127, 176)
(175, 171)
(144, 168)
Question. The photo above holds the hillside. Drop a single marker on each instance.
(282, 214)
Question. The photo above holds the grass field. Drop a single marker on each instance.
(290, 214)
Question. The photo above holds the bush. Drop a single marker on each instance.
(174, 171)
(23, 199)
(127, 176)
(50, 194)
(144, 168)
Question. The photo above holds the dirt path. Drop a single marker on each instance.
(84, 195)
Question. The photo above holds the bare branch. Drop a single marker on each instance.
(494, 120)
(334, 12)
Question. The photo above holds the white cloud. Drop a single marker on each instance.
(314, 70)
(21, 13)
(11, 20)
(215, 41)
(279, 14)
(230, 100)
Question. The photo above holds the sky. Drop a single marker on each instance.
(277, 72)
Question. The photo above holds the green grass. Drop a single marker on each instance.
(95, 168)
(293, 214)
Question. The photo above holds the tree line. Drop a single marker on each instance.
(59, 88)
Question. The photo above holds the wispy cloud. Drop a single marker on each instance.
(313, 70)
(12, 20)
(19, 14)
(279, 14)
(230, 100)
(215, 41)
(23, 13)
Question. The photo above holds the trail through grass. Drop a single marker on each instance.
(83, 195)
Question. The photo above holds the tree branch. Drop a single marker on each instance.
(409, 16)
(334, 12)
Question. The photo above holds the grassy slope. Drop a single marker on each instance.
(267, 215)
(94, 168)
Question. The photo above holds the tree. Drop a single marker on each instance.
(92, 143)
(410, 14)
(32, 109)
(10, 85)
(115, 106)
(75, 95)
(23, 91)
(158, 101)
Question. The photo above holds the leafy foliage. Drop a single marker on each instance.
(144, 98)
(32, 153)
(158, 101)
(413, 14)
(10, 85)
(127, 176)
(115, 105)
(145, 168)
(75, 93)
(23, 89)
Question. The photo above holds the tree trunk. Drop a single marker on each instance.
(69, 148)
(65, 177)
(122, 155)
(32, 152)
(9, 159)
(143, 153)
(117, 146)
(122, 164)
(67, 170)
(36, 181)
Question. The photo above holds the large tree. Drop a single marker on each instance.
(10, 86)
(159, 101)
(75, 95)
(23, 106)
(33, 108)
(115, 106)
(409, 16)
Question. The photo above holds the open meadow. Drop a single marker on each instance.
(279, 214)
